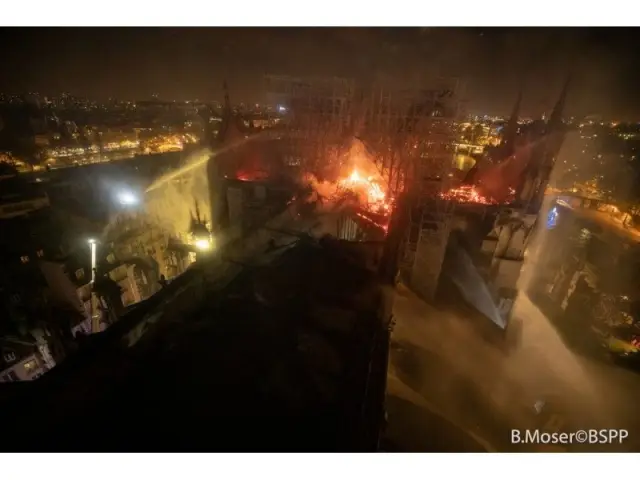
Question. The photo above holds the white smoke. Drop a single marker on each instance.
(171, 199)
(173, 204)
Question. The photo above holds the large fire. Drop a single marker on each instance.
(377, 200)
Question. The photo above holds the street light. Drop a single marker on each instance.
(93, 246)
(95, 319)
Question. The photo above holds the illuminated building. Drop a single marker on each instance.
(134, 250)
(21, 360)
(30, 312)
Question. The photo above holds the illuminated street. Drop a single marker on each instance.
(630, 233)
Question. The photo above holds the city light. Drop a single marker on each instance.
(552, 218)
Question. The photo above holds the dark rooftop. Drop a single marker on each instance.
(288, 357)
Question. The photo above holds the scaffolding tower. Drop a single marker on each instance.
(317, 119)
(408, 129)
(412, 129)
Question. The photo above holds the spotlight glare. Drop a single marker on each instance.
(127, 198)
(203, 244)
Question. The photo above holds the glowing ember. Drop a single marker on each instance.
(251, 176)
(367, 187)
(470, 194)
(467, 194)
(383, 226)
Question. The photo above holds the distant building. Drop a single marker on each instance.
(21, 360)
(31, 240)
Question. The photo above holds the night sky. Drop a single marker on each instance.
(181, 64)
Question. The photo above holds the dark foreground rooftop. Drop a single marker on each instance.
(288, 357)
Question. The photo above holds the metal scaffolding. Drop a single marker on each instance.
(318, 116)
(409, 130)
(412, 129)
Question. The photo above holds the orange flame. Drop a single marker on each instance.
(466, 194)
(470, 194)
(367, 187)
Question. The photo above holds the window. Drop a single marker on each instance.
(24, 258)
(10, 377)
(31, 366)
(9, 356)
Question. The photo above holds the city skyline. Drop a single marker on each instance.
(188, 64)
